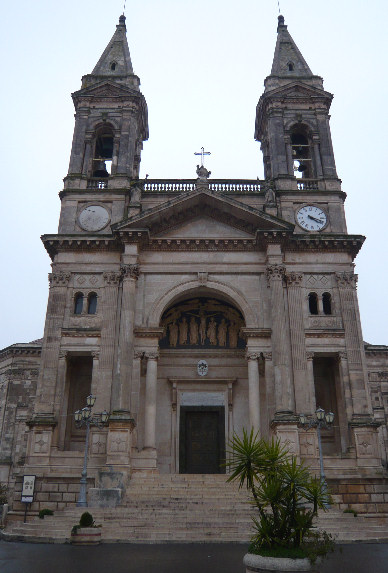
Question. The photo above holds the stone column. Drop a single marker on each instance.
(61, 401)
(317, 158)
(77, 149)
(109, 340)
(347, 282)
(122, 379)
(311, 404)
(94, 387)
(298, 341)
(46, 388)
(284, 391)
(254, 392)
(87, 157)
(277, 150)
(150, 399)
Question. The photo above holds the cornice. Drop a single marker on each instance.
(81, 332)
(55, 244)
(256, 332)
(149, 332)
(192, 244)
(326, 243)
(327, 333)
(20, 350)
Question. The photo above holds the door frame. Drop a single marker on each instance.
(221, 446)
(223, 387)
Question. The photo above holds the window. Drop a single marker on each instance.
(113, 66)
(301, 152)
(92, 303)
(103, 152)
(290, 67)
(326, 302)
(313, 303)
(78, 303)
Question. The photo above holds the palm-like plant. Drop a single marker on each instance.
(284, 492)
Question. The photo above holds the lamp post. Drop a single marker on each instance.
(322, 420)
(84, 418)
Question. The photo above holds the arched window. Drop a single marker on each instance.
(313, 303)
(103, 152)
(290, 66)
(113, 66)
(78, 303)
(92, 303)
(301, 153)
(326, 302)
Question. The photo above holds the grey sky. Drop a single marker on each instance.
(202, 65)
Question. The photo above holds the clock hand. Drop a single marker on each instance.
(315, 219)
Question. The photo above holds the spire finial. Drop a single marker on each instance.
(280, 21)
(122, 20)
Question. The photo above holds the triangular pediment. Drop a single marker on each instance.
(203, 209)
(297, 89)
(206, 228)
(105, 89)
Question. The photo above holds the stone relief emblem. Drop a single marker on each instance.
(202, 322)
(202, 368)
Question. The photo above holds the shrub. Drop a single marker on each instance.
(86, 520)
(44, 512)
(350, 510)
(286, 496)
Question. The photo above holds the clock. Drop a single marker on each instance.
(311, 218)
(93, 218)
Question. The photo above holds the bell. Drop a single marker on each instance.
(101, 170)
(302, 167)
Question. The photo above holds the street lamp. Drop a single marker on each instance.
(322, 420)
(84, 418)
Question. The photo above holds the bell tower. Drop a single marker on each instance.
(292, 121)
(110, 121)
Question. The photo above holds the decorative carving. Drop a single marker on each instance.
(118, 442)
(202, 278)
(95, 354)
(308, 447)
(342, 355)
(93, 280)
(112, 278)
(41, 442)
(151, 354)
(131, 271)
(59, 279)
(347, 279)
(275, 273)
(203, 174)
(63, 354)
(270, 195)
(202, 322)
(138, 354)
(98, 443)
(267, 355)
(318, 280)
(252, 355)
(294, 279)
(309, 355)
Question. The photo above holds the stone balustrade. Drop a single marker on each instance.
(220, 185)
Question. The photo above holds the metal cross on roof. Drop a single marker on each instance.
(202, 154)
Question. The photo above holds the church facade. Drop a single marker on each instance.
(195, 308)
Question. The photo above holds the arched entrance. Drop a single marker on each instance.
(202, 355)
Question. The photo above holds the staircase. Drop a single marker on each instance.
(182, 508)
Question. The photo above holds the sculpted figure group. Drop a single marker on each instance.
(202, 327)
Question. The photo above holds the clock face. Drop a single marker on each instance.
(311, 218)
(93, 218)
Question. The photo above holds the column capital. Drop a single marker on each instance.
(59, 278)
(130, 271)
(249, 355)
(267, 355)
(275, 273)
(112, 278)
(342, 355)
(293, 279)
(309, 355)
(151, 354)
(137, 353)
(95, 355)
(347, 279)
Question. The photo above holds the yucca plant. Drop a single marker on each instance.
(285, 494)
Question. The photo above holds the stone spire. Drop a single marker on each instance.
(288, 63)
(115, 62)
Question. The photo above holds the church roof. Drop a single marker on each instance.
(115, 59)
(287, 54)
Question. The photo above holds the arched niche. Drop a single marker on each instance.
(202, 322)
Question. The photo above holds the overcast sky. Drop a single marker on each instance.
(202, 65)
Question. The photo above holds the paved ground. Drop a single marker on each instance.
(168, 558)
